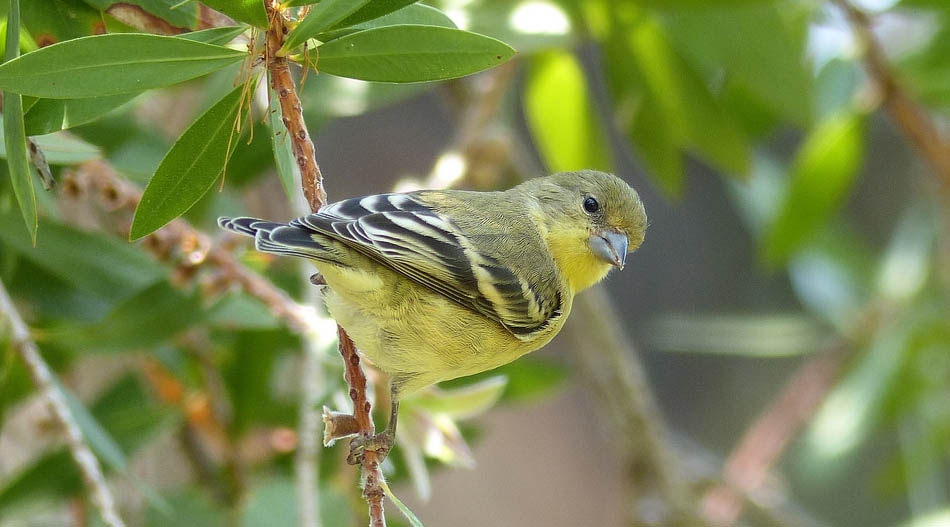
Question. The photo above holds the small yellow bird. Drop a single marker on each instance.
(433, 285)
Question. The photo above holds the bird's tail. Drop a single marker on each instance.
(281, 238)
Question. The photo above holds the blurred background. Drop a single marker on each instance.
(776, 353)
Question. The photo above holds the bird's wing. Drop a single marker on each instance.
(407, 235)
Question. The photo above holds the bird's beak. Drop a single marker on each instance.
(610, 246)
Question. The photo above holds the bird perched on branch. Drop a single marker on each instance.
(438, 284)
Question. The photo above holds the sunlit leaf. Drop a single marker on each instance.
(112, 64)
(938, 518)
(906, 263)
(823, 172)
(410, 53)
(463, 402)
(14, 139)
(191, 167)
(562, 116)
(62, 149)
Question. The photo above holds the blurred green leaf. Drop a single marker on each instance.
(53, 474)
(938, 518)
(99, 265)
(765, 335)
(836, 87)
(112, 64)
(823, 172)
(189, 506)
(906, 264)
(284, 158)
(323, 16)
(562, 116)
(854, 408)
(95, 435)
(272, 502)
(410, 53)
(652, 69)
(150, 317)
(754, 45)
(191, 167)
(926, 71)
(249, 11)
(14, 139)
(654, 142)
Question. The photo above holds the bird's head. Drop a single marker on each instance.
(591, 221)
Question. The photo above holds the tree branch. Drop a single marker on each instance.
(42, 377)
(912, 120)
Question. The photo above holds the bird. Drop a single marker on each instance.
(432, 285)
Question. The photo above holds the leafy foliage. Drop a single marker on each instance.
(138, 127)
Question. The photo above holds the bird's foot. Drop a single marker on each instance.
(380, 443)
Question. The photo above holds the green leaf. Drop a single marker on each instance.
(271, 503)
(14, 139)
(562, 116)
(410, 53)
(280, 142)
(152, 316)
(767, 335)
(378, 8)
(215, 35)
(46, 116)
(52, 21)
(416, 14)
(654, 142)
(323, 16)
(112, 64)
(463, 402)
(249, 11)
(413, 520)
(62, 149)
(96, 436)
(937, 518)
(695, 118)
(190, 168)
(100, 265)
(774, 69)
(823, 172)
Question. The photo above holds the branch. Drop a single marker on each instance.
(608, 364)
(908, 115)
(43, 378)
(747, 469)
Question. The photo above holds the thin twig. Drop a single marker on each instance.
(908, 115)
(42, 376)
(747, 469)
(608, 364)
(291, 111)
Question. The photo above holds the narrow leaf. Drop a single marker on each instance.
(280, 142)
(62, 149)
(325, 15)
(821, 176)
(215, 35)
(14, 139)
(46, 116)
(416, 14)
(249, 11)
(375, 9)
(190, 168)
(413, 520)
(112, 64)
(410, 53)
(562, 116)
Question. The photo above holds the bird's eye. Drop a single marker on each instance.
(591, 205)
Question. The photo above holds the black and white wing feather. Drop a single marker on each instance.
(404, 233)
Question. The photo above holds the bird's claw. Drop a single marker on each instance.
(381, 444)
